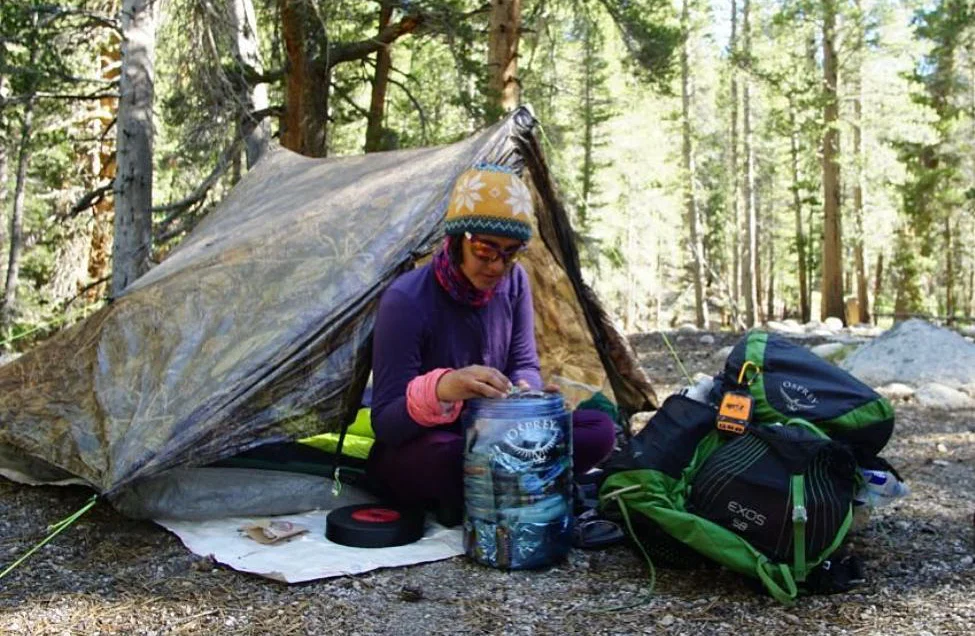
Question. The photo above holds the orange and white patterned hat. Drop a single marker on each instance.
(490, 199)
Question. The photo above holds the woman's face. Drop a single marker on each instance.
(487, 258)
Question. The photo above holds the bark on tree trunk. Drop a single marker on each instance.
(589, 125)
(20, 188)
(859, 160)
(748, 273)
(949, 270)
(377, 104)
(306, 79)
(256, 133)
(690, 199)
(832, 282)
(100, 251)
(970, 305)
(17, 217)
(133, 182)
(878, 278)
(735, 210)
(504, 33)
(770, 287)
(804, 314)
(3, 203)
(759, 284)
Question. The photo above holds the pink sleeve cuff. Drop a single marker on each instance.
(422, 403)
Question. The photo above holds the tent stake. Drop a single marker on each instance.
(55, 531)
(676, 357)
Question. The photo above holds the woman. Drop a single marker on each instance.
(458, 328)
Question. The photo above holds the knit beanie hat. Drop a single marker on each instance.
(490, 199)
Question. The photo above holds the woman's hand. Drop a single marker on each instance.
(472, 382)
(549, 388)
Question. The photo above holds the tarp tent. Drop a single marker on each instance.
(257, 327)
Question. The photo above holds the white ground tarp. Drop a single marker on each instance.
(308, 556)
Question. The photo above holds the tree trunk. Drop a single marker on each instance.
(377, 104)
(311, 58)
(256, 132)
(687, 153)
(133, 182)
(20, 191)
(589, 127)
(3, 200)
(748, 273)
(504, 32)
(307, 79)
(859, 161)
(832, 281)
(970, 305)
(17, 218)
(804, 313)
(735, 210)
(3, 161)
(770, 265)
(759, 285)
(878, 279)
(100, 252)
(949, 270)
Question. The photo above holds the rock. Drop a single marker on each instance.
(639, 420)
(721, 354)
(968, 331)
(966, 561)
(8, 357)
(707, 339)
(667, 620)
(943, 398)
(785, 326)
(942, 448)
(830, 350)
(823, 332)
(687, 328)
(896, 391)
(914, 352)
(833, 323)
(811, 326)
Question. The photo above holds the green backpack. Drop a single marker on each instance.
(786, 380)
(773, 503)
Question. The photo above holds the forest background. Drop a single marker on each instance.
(726, 162)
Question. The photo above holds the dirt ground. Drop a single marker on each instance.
(112, 575)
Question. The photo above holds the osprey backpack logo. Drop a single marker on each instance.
(797, 397)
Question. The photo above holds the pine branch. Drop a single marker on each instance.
(177, 208)
(90, 199)
(349, 51)
(81, 292)
(416, 105)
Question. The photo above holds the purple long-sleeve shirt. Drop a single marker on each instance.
(420, 328)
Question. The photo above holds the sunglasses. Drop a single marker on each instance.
(489, 251)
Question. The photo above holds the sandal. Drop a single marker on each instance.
(591, 532)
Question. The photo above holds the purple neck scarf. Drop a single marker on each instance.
(453, 280)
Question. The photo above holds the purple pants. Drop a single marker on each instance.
(429, 470)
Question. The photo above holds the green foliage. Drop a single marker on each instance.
(601, 76)
(652, 34)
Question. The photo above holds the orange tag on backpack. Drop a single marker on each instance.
(735, 412)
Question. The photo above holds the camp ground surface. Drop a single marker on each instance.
(112, 575)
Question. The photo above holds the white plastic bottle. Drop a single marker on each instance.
(880, 488)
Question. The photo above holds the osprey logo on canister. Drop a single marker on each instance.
(805, 400)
